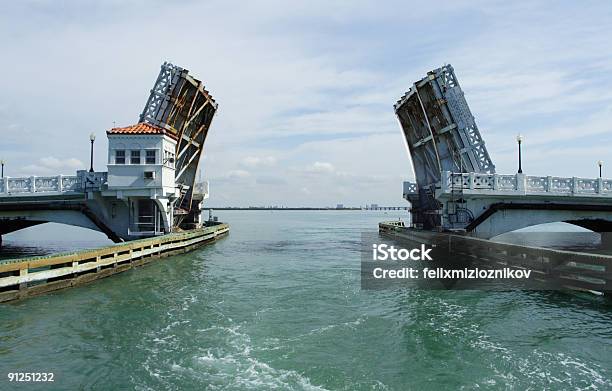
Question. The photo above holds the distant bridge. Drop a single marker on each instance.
(456, 186)
(386, 208)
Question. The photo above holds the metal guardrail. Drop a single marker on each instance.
(528, 184)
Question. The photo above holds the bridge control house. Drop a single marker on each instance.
(141, 173)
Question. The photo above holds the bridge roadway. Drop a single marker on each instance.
(487, 205)
(65, 199)
(82, 200)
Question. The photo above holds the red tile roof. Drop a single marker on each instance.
(141, 128)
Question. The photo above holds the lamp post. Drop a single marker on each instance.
(92, 138)
(519, 140)
(600, 163)
(2, 164)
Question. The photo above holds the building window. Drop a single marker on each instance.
(135, 157)
(150, 157)
(119, 156)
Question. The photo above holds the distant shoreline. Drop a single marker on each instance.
(305, 208)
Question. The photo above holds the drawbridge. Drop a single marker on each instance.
(150, 187)
(457, 188)
(181, 105)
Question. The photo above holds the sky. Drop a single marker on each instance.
(306, 89)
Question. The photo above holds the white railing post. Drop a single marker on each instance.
(549, 184)
(574, 188)
(60, 185)
(6, 184)
(32, 184)
(599, 189)
(495, 181)
(521, 183)
(471, 181)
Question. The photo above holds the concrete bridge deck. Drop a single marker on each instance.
(77, 200)
(29, 201)
(487, 205)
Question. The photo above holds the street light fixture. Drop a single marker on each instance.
(92, 138)
(519, 140)
(600, 163)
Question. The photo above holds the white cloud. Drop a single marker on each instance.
(51, 165)
(55, 163)
(257, 161)
(320, 167)
(238, 174)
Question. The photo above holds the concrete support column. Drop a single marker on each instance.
(166, 208)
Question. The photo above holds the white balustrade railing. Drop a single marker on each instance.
(82, 182)
(525, 183)
(39, 184)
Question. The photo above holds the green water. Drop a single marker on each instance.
(278, 305)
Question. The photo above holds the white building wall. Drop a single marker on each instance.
(131, 176)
